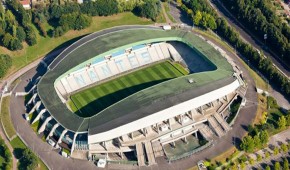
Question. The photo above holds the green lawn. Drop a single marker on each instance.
(44, 45)
(6, 119)
(18, 147)
(35, 126)
(95, 99)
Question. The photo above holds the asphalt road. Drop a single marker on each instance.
(55, 161)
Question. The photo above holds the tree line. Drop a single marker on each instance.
(18, 25)
(259, 17)
(257, 60)
(15, 26)
(74, 16)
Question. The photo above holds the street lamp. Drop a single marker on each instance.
(265, 38)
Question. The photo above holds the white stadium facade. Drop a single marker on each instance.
(174, 119)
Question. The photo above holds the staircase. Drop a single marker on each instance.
(140, 154)
(216, 127)
(222, 122)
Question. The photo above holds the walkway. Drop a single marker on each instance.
(167, 19)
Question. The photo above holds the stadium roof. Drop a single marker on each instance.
(142, 103)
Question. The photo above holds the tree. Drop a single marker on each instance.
(264, 118)
(276, 150)
(264, 137)
(82, 21)
(267, 154)
(252, 161)
(109, 7)
(211, 23)
(248, 144)
(284, 148)
(6, 40)
(257, 141)
(29, 159)
(259, 158)
(204, 20)
(20, 34)
(75, 21)
(277, 166)
(197, 18)
(285, 164)
(288, 119)
(179, 2)
(15, 44)
(281, 122)
(5, 64)
(149, 9)
(243, 165)
(267, 167)
(30, 35)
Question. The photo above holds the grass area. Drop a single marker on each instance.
(18, 147)
(35, 126)
(161, 18)
(44, 45)
(95, 99)
(223, 157)
(180, 68)
(167, 10)
(273, 118)
(260, 83)
(5, 117)
(32, 116)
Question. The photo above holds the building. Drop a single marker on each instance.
(26, 4)
(148, 124)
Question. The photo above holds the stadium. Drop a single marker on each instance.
(132, 94)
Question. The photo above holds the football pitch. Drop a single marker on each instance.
(93, 100)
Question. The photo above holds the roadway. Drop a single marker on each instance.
(55, 161)
(249, 37)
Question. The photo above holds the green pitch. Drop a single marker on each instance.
(91, 101)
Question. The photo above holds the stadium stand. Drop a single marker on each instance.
(173, 111)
